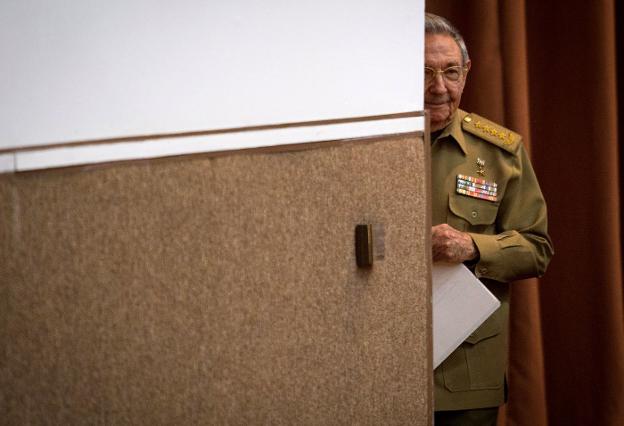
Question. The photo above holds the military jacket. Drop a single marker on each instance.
(483, 184)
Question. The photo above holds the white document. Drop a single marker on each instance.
(460, 305)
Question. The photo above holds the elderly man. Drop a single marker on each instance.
(488, 213)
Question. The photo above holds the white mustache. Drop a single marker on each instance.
(442, 100)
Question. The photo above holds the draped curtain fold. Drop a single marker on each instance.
(548, 70)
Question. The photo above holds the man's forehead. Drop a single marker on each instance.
(442, 48)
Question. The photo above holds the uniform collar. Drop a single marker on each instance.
(454, 130)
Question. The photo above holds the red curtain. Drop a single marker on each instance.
(549, 71)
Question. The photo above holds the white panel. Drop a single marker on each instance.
(75, 70)
(89, 154)
(7, 163)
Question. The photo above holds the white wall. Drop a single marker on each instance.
(80, 70)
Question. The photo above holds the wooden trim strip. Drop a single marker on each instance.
(269, 138)
(217, 131)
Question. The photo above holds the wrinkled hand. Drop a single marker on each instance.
(450, 245)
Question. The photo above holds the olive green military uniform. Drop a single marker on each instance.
(483, 184)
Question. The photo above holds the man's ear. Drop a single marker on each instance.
(468, 64)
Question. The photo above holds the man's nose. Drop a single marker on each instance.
(438, 85)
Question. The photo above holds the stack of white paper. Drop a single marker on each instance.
(460, 305)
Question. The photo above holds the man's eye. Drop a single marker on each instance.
(452, 74)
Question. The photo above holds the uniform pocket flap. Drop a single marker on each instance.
(474, 211)
(490, 327)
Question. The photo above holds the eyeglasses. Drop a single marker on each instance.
(452, 74)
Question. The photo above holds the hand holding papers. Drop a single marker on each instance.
(460, 304)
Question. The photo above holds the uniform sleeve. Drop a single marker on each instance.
(521, 248)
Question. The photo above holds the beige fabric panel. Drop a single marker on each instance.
(218, 290)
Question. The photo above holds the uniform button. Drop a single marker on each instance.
(474, 213)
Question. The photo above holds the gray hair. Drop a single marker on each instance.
(435, 24)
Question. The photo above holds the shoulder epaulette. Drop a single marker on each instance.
(491, 132)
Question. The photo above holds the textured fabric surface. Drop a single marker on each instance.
(220, 290)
